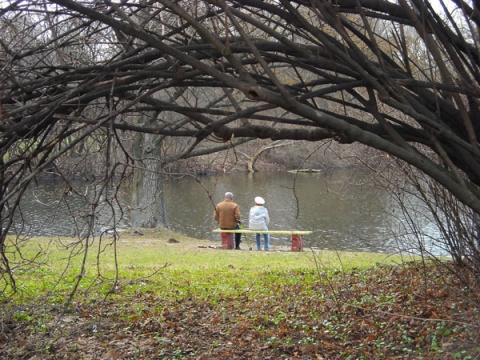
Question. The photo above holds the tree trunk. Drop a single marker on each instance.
(147, 193)
(253, 159)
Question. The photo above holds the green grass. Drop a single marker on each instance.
(185, 300)
(153, 263)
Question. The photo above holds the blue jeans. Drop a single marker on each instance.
(266, 238)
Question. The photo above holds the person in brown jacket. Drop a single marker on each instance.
(227, 214)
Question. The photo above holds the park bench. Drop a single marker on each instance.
(297, 236)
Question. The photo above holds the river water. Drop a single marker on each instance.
(343, 208)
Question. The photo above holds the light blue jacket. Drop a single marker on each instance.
(258, 218)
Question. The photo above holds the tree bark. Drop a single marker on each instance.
(147, 193)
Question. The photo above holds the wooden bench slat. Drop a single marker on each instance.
(273, 232)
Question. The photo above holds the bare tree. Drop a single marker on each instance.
(400, 77)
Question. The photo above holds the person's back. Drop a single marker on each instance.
(258, 219)
(227, 214)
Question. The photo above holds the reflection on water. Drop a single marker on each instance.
(343, 208)
(51, 208)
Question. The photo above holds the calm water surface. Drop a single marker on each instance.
(343, 208)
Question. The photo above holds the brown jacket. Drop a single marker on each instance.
(227, 214)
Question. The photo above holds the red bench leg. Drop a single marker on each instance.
(227, 241)
(297, 242)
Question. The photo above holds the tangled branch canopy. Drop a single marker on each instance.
(401, 77)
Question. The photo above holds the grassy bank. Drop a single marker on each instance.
(176, 297)
(171, 261)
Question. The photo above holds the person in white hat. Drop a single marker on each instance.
(259, 220)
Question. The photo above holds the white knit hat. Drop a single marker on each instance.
(259, 200)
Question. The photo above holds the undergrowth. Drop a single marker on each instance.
(176, 300)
